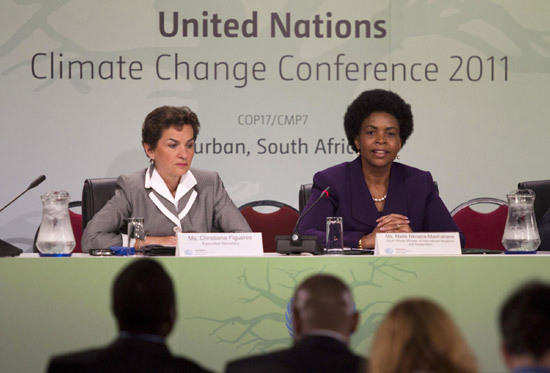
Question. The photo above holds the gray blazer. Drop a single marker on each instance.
(209, 210)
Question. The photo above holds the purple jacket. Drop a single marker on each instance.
(411, 192)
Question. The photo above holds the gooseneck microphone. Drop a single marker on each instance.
(36, 182)
(6, 248)
(296, 243)
(296, 237)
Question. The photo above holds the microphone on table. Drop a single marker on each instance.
(296, 243)
(7, 249)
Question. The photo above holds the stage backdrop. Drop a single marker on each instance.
(270, 82)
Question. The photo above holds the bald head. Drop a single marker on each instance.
(324, 302)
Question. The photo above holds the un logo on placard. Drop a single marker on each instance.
(388, 251)
(188, 252)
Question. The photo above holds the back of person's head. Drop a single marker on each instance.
(324, 302)
(143, 299)
(417, 335)
(525, 324)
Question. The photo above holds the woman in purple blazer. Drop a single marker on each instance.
(374, 193)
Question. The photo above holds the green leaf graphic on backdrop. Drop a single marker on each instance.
(254, 334)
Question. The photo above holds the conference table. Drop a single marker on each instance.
(235, 306)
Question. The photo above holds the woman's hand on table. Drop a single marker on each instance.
(159, 240)
(393, 223)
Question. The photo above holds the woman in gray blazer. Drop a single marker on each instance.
(170, 195)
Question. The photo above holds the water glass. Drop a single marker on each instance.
(136, 230)
(335, 235)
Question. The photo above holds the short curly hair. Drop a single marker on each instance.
(165, 117)
(377, 100)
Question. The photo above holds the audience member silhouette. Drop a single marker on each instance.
(417, 335)
(324, 319)
(144, 306)
(544, 231)
(525, 328)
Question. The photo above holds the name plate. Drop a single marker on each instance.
(447, 243)
(219, 244)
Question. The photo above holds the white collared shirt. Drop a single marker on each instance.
(155, 181)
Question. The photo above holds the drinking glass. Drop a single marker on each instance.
(335, 235)
(136, 230)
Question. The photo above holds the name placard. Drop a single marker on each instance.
(447, 243)
(219, 244)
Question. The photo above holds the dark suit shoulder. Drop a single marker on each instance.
(312, 354)
(91, 362)
(186, 365)
(265, 363)
(413, 176)
(409, 171)
(125, 355)
(336, 169)
(73, 362)
(335, 174)
(343, 169)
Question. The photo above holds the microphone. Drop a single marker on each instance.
(36, 182)
(7, 249)
(297, 237)
(296, 243)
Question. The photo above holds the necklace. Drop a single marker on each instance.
(379, 199)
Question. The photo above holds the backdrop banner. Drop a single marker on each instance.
(270, 82)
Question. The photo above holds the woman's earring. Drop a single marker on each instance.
(398, 157)
(152, 161)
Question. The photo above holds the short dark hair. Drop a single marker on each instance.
(143, 297)
(165, 117)
(377, 100)
(525, 320)
(326, 303)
